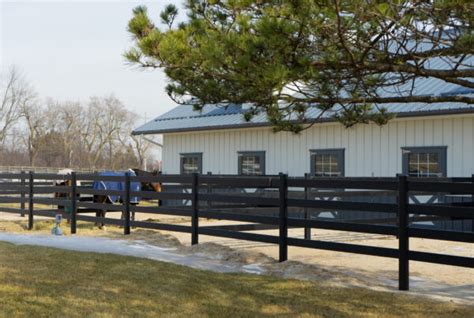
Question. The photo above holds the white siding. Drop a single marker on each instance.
(370, 150)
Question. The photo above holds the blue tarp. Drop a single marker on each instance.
(118, 186)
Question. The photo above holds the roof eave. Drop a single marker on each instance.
(323, 120)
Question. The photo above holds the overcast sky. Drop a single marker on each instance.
(71, 50)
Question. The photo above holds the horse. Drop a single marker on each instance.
(149, 186)
(61, 183)
(135, 186)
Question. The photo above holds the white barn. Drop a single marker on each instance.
(423, 140)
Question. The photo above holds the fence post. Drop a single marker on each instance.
(403, 239)
(23, 192)
(73, 203)
(209, 190)
(307, 216)
(30, 201)
(126, 203)
(195, 217)
(283, 237)
(472, 202)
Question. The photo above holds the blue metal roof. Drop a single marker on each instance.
(184, 118)
(190, 120)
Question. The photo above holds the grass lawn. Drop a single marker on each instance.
(40, 282)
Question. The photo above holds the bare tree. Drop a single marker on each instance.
(72, 134)
(141, 148)
(105, 118)
(70, 117)
(36, 126)
(15, 94)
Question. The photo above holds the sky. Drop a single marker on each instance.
(71, 50)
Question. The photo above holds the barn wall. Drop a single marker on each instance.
(370, 150)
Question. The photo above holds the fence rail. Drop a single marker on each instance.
(261, 203)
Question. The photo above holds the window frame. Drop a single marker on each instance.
(339, 152)
(190, 155)
(260, 153)
(442, 155)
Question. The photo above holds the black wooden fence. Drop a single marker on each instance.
(274, 202)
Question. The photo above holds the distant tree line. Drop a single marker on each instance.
(44, 132)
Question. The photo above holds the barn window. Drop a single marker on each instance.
(327, 162)
(424, 161)
(252, 163)
(191, 162)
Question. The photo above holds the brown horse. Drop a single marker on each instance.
(145, 186)
(62, 195)
(149, 186)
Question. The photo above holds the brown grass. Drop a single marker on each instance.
(46, 282)
(88, 229)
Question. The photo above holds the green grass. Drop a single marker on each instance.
(46, 282)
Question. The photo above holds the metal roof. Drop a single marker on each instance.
(184, 118)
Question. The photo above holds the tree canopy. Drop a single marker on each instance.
(348, 58)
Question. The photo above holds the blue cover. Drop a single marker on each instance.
(118, 186)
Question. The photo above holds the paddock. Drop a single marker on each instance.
(280, 204)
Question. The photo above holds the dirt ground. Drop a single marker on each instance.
(445, 282)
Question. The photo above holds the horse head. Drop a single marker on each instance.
(63, 181)
(149, 186)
